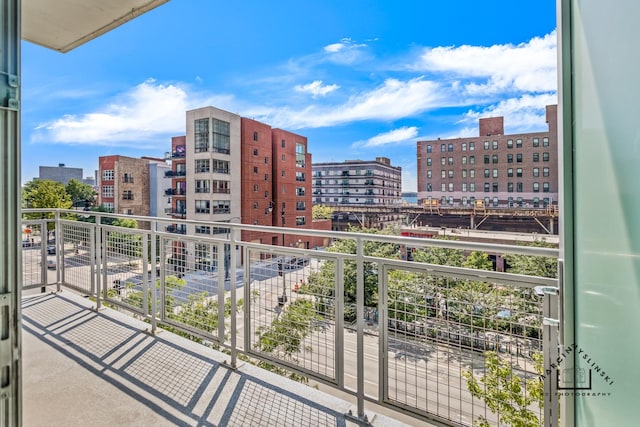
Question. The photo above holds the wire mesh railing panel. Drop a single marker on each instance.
(125, 277)
(292, 311)
(445, 337)
(191, 281)
(76, 256)
(33, 258)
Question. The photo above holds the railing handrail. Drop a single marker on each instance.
(342, 235)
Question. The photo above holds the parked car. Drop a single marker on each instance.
(51, 264)
(26, 243)
(51, 249)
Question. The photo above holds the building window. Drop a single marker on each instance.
(450, 186)
(519, 187)
(545, 171)
(509, 158)
(472, 146)
(545, 187)
(464, 187)
(201, 135)
(301, 220)
(300, 191)
(220, 166)
(536, 172)
(203, 229)
(108, 175)
(486, 173)
(107, 191)
(203, 206)
(300, 176)
(450, 148)
(494, 158)
(519, 158)
(519, 172)
(495, 173)
(495, 145)
(266, 176)
(443, 161)
(450, 160)
(464, 160)
(255, 170)
(472, 160)
(464, 146)
(266, 194)
(202, 185)
(510, 143)
(255, 151)
(472, 173)
(266, 160)
(429, 161)
(510, 172)
(429, 174)
(301, 206)
(536, 142)
(545, 157)
(536, 157)
(255, 136)
(301, 151)
(221, 206)
(255, 187)
(443, 174)
(487, 187)
(495, 187)
(221, 187)
(443, 148)
(545, 142)
(486, 159)
(518, 143)
(429, 187)
(472, 187)
(282, 144)
(221, 137)
(127, 178)
(464, 173)
(450, 173)
(202, 165)
(510, 187)
(536, 187)
(443, 187)
(429, 149)
(486, 145)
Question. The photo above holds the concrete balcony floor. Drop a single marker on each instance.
(82, 367)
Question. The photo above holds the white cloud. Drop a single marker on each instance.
(393, 99)
(523, 114)
(315, 88)
(526, 67)
(146, 113)
(395, 136)
(345, 52)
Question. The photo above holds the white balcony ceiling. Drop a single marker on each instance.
(65, 24)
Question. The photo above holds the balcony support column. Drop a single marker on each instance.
(10, 216)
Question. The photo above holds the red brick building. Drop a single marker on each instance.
(519, 170)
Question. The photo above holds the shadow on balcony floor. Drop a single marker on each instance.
(82, 367)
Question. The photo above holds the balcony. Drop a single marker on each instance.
(175, 174)
(174, 192)
(410, 344)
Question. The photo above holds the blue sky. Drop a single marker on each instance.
(359, 78)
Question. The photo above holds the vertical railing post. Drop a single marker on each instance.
(146, 280)
(94, 268)
(360, 325)
(339, 320)
(551, 352)
(153, 280)
(44, 274)
(220, 283)
(59, 245)
(233, 289)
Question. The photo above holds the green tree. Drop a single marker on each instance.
(440, 256)
(45, 194)
(533, 265)
(82, 195)
(321, 212)
(478, 260)
(506, 393)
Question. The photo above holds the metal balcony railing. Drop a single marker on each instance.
(419, 332)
